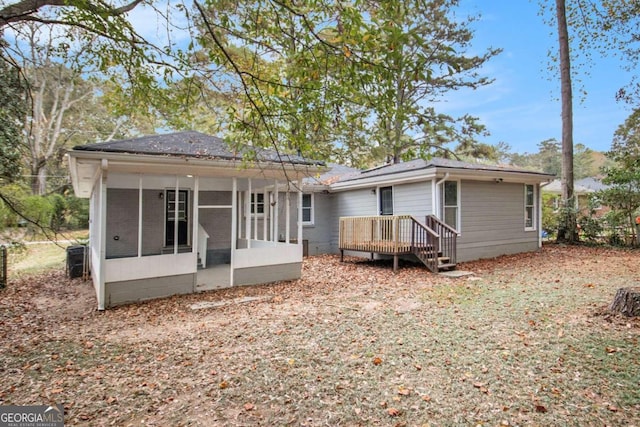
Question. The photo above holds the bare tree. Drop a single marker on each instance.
(52, 91)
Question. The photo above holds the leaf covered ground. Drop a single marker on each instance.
(524, 341)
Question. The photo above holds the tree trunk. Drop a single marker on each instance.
(567, 229)
(627, 302)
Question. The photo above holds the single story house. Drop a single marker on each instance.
(181, 213)
(494, 210)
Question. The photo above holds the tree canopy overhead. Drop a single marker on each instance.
(356, 81)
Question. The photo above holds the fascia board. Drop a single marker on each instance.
(167, 164)
(391, 179)
(491, 175)
(439, 172)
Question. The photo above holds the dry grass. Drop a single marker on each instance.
(523, 342)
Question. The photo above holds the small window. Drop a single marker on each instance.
(307, 209)
(257, 204)
(529, 207)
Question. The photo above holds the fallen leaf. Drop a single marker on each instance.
(541, 409)
(426, 398)
(611, 350)
(377, 361)
(404, 391)
(248, 406)
(223, 385)
(393, 412)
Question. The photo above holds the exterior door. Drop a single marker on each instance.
(386, 200)
(182, 214)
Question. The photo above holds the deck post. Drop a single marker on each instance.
(395, 263)
(341, 255)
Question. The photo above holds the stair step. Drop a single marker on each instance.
(447, 266)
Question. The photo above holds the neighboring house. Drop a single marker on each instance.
(179, 213)
(583, 189)
(494, 209)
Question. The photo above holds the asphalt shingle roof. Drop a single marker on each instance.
(191, 144)
(435, 162)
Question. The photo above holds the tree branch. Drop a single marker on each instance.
(24, 9)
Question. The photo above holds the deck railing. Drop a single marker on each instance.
(448, 237)
(391, 235)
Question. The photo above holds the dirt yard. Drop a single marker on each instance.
(524, 341)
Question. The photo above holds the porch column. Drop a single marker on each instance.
(140, 215)
(234, 227)
(195, 222)
(176, 200)
(300, 213)
(276, 218)
(287, 231)
(247, 214)
(103, 235)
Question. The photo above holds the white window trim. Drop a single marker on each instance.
(253, 203)
(534, 219)
(312, 208)
(458, 204)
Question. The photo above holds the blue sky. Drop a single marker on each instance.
(522, 106)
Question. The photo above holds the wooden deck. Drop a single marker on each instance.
(400, 235)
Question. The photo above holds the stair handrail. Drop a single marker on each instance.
(424, 239)
(449, 236)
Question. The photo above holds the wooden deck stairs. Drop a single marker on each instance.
(432, 242)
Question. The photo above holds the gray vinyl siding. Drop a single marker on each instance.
(492, 221)
(118, 293)
(282, 215)
(267, 274)
(216, 222)
(152, 222)
(122, 223)
(413, 199)
(362, 202)
(319, 234)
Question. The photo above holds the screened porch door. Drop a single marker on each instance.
(182, 214)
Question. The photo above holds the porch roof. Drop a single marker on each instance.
(193, 144)
(182, 153)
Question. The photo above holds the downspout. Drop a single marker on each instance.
(434, 194)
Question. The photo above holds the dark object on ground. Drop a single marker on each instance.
(627, 302)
